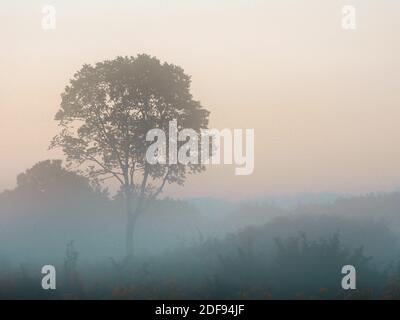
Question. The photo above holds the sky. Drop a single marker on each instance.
(324, 102)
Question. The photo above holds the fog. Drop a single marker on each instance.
(193, 248)
(77, 191)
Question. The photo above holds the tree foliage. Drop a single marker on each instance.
(107, 109)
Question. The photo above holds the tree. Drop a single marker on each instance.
(48, 191)
(49, 177)
(106, 112)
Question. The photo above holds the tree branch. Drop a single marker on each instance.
(90, 158)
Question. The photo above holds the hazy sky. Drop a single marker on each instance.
(324, 102)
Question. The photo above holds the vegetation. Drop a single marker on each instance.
(296, 254)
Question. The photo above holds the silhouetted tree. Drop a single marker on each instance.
(49, 191)
(105, 113)
(49, 177)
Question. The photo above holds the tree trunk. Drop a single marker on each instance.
(130, 225)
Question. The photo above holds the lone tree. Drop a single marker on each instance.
(105, 114)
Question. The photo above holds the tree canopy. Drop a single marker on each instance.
(108, 108)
